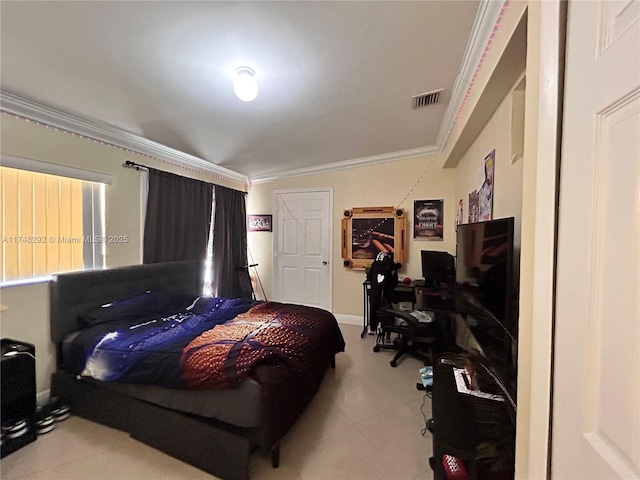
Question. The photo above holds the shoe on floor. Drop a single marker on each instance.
(44, 421)
(58, 409)
(15, 429)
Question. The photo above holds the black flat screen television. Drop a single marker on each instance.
(486, 323)
(438, 268)
(484, 269)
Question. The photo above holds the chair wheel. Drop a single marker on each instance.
(275, 456)
(430, 424)
(376, 348)
(393, 363)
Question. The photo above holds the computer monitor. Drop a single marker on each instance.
(438, 268)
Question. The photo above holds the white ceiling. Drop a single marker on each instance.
(335, 78)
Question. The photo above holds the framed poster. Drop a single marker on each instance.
(259, 223)
(427, 219)
(459, 217)
(485, 194)
(367, 231)
(474, 211)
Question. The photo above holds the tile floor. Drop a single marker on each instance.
(364, 423)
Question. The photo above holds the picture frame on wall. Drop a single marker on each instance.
(474, 207)
(428, 220)
(259, 223)
(485, 194)
(367, 231)
(459, 214)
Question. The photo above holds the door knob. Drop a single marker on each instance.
(324, 262)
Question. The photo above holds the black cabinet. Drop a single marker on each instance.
(18, 395)
(473, 400)
(477, 432)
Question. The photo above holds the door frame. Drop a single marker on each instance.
(543, 97)
(276, 215)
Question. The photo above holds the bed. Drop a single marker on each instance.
(246, 369)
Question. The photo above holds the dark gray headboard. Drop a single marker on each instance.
(74, 293)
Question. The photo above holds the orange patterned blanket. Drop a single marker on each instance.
(292, 336)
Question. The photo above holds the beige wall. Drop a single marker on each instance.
(27, 319)
(377, 185)
(27, 315)
(507, 194)
(371, 186)
(27, 140)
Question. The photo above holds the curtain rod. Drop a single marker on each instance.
(139, 166)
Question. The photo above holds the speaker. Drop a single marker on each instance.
(18, 394)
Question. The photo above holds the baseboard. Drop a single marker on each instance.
(348, 319)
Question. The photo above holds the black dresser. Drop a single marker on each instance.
(473, 400)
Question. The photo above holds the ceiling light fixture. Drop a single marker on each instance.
(245, 86)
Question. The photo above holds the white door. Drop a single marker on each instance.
(302, 263)
(596, 404)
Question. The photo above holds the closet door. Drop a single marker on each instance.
(303, 233)
(596, 405)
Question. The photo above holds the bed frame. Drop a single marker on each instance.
(213, 446)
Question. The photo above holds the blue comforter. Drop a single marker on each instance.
(145, 346)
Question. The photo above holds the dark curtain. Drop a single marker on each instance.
(178, 218)
(230, 272)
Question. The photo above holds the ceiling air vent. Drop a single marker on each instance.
(426, 99)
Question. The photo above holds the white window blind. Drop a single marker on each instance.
(50, 224)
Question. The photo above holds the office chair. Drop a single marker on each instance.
(404, 331)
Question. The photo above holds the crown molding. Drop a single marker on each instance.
(487, 16)
(346, 164)
(103, 132)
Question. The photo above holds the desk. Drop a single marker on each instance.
(434, 300)
(439, 301)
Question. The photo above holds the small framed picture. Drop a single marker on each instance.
(259, 223)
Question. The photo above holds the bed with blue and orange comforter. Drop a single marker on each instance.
(165, 345)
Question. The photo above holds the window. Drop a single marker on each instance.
(50, 223)
(207, 290)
